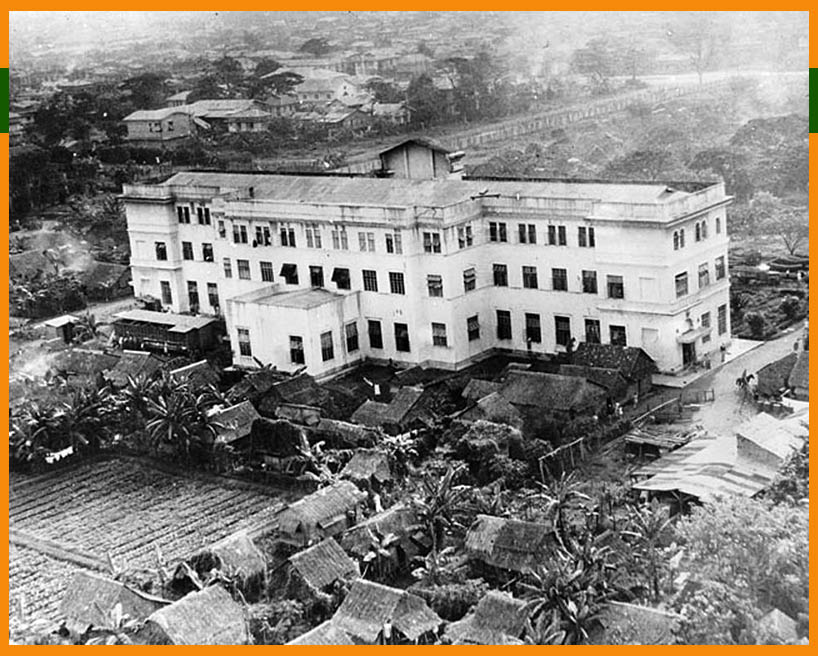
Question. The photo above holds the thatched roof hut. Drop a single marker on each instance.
(369, 607)
(630, 624)
(199, 375)
(321, 565)
(235, 556)
(278, 438)
(398, 520)
(498, 618)
(323, 634)
(508, 544)
(369, 466)
(136, 364)
(344, 435)
(325, 512)
(90, 599)
(207, 617)
(235, 423)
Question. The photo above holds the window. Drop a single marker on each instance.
(394, 244)
(592, 331)
(207, 252)
(375, 335)
(618, 336)
(528, 233)
(167, 297)
(316, 276)
(698, 233)
(562, 327)
(288, 237)
(193, 294)
(503, 324)
(616, 287)
(498, 232)
(431, 242)
(552, 235)
(213, 294)
(239, 234)
(244, 269)
(340, 240)
(161, 251)
(183, 213)
(351, 331)
(681, 284)
(402, 337)
(682, 238)
(473, 328)
(370, 280)
(228, 268)
(500, 275)
(589, 285)
(296, 349)
(439, 335)
(721, 270)
(366, 241)
(704, 275)
(187, 250)
(200, 215)
(718, 225)
(533, 331)
(340, 277)
(585, 237)
(313, 234)
(266, 271)
(205, 220)
(263, 237)
(469, 280)
(704, 230)
(465, 238)
(243, 335)
(559, 280)
(530, 277)
(290, 273)
(396, 285)
(222, 230)
(705, 320)
(434, 283)
(562, 240)
(675, 240)
(327, 350)
(722, 319)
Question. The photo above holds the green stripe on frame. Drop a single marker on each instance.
(4, 107)
(813, 114)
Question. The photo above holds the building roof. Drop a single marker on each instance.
(277, 437)
(497, 617)
(779, 627)
(237, 555)
(235, 422)
(773, 435)
(323, 564)
(301, 390)
(799, 376)
(402, 403)
(90, 599)
(83, 362)
(370, 413)
(631, 361)
(155, 114)
(477, 388)
(321, 506)
(177, 323)
(611, 379)
(198, 374)
(550, 391)
(179, 97)
(508, 543)
(410, 193)
(59, 322)
(368, 465)
(774, 377)
(303, 299)
(399, 520)
(325, 633)
(631, 624)
(133, 364)
(493, 408)
(426, 142)
(345, 435)
(205, 617)
(369, 606)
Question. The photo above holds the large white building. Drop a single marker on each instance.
(325, 271)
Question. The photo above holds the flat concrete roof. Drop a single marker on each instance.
(301, 298)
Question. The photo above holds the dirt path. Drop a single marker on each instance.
(727, 411)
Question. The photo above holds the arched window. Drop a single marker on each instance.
(682, 238)
(704, 229)
(698, 233)
(675, 240)
(718, 225)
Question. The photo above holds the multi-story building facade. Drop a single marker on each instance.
(325, 271)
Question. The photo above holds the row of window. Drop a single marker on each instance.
(682, 287)
(192, 294)
(555, 235)
(700, 233)
(202, 214)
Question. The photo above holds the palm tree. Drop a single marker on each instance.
(87, 327)
(559, 496)
(380, 551)
(179, 419)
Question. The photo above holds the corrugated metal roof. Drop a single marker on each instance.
(235, 422)
(180, 323)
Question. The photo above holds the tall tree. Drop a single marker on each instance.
(698, 35)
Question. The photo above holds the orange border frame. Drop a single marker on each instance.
(459, 5)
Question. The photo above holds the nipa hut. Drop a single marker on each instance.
(399, 521)
(630, 624)
(324, 513)
(508, 544)
(368, 467)
(344, 435)
(90, 600)
(207, 617)
(323, 634)
(318, 569)
(497, 619)
(377, 614)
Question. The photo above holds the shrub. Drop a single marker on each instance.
(756, 323)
